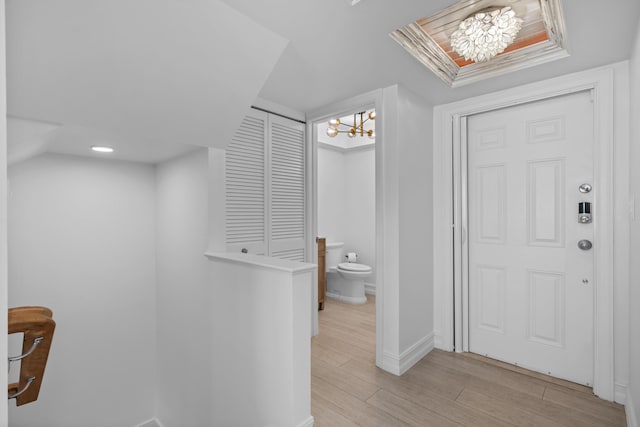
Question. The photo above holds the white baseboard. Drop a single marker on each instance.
(369, 289)
(307, 423)
(349, 300)
(154, 422)
(630, 409)
(438, 342)
(399, 364)
(620, 393)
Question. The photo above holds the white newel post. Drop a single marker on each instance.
(261, 317)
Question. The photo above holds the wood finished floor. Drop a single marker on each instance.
(443, 389)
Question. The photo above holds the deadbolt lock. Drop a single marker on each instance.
(584, 212)
(585, 245)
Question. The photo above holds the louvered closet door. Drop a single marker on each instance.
(245, 177)
(287, 189)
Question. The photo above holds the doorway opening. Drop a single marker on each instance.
(369, 244)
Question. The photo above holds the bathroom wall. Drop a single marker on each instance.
(82, 242)
(331, 194)
(346, 201)
(360, 207)
(184, 351)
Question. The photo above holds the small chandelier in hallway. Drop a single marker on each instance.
(486, 33)
(355, 129)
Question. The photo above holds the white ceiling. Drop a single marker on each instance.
(151, 78)
(337, 51)
(160, 76)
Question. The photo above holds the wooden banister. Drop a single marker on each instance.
(38, 326)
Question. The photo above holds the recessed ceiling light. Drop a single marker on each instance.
(102, 149)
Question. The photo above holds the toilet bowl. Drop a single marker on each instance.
(345, 280)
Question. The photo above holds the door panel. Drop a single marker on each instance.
(491, 301)
(546, 310)
(530, 286)
(491, 204)
(545, 203)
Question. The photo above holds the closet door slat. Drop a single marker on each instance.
(265, 186)
(287, 188)
(245, 185)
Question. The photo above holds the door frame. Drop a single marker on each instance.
(451, 305)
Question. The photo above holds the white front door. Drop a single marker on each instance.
(530, 286)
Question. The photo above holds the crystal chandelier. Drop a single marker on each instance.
(485, 34)
(357, 128)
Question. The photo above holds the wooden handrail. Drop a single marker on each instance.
(38, 326)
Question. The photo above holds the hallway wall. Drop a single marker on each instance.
(415, 156)
(82, 242)
(633, 393)
(3, 208)
(184, 351)
(405, 159)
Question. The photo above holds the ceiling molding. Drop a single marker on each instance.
(422, 45)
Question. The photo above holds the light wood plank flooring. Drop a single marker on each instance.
(443, 389)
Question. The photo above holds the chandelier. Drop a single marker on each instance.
(485, 34)
(357, 128)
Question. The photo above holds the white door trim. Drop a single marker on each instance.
(449, 120)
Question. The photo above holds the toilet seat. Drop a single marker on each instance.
(353, 266)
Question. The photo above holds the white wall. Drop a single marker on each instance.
(621, 231)
(346, 201)
(331, 195)
(261, 320)
(82, 242)
(416, 219)
(408, 232)
(360, 207)
(633, 392)
(3, 213)
(185, 354)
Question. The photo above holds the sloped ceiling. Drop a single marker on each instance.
(180, 71)
(158, 73)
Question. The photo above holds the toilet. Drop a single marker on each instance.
(345, 280)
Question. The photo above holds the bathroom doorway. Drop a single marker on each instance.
(343, 189)
(346, 203)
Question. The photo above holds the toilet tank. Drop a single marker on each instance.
(335, 251)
